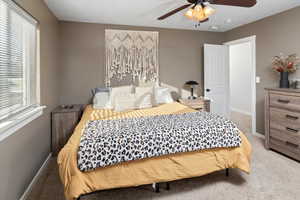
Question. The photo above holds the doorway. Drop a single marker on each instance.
(242, 83)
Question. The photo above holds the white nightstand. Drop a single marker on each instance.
(199, 103)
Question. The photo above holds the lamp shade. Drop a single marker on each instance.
(192, 83)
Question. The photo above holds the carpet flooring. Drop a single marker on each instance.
(273, 177)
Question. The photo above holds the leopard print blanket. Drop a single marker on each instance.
(109, 142)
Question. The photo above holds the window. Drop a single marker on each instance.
(18, 61)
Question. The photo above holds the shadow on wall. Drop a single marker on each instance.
(178, 92)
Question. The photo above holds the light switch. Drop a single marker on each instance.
(257, 79)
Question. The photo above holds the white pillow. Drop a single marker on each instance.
(144, 97)
(118, 91)
(101, 100)
(125, 102)
(162, 95)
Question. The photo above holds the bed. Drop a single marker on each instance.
(146, 171)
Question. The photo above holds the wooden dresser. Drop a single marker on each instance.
(282, 121)
(64, 120)
(199, 103)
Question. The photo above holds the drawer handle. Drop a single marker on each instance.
(283, 101)
(292, 144)
(292, 117)
(292, 130)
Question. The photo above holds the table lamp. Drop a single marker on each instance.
(192, 85)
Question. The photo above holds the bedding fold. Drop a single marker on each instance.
(109, 142)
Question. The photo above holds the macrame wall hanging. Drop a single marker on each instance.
(131, 56)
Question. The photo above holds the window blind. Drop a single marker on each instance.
(18, 49)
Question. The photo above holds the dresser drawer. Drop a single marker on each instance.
(285, 101)
(197, 104)
(288, 132)
(288, 148)
(285, 136)
(285, 117)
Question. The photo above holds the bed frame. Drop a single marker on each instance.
(156, 186)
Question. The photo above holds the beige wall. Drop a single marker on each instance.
(276, 34)
(82, 57)
(23, 153)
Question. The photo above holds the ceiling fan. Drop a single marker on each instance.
(200, 10)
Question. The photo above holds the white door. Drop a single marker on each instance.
(216, 78)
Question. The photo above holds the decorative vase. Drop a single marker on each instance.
(284, 80)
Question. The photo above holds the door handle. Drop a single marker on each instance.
(207, 90)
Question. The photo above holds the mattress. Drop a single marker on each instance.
(146, 171)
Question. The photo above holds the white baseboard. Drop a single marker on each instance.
(35, 178)
(259, 135)
(241, 111)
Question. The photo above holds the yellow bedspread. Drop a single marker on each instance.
(147, 171)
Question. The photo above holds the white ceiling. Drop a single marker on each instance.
(145, 12)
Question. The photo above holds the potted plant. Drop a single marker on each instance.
(285, 65)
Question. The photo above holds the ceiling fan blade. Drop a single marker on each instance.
(174, 11)
(241, 3)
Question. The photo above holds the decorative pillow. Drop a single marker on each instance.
(100, 89)
(101, 98)
(125, 102)
(119, 91)
(144, 97)
(162, 95)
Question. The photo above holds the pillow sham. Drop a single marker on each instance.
(101, 99)
(144, 97)
(119, 91)
(125, 102)
(162, 95)
(100, 89)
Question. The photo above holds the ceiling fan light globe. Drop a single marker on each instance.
(198, 8)
(200, 17)
(189, 13)
(208, 11)
(198, 13)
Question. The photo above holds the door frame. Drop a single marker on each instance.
(252, 40)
